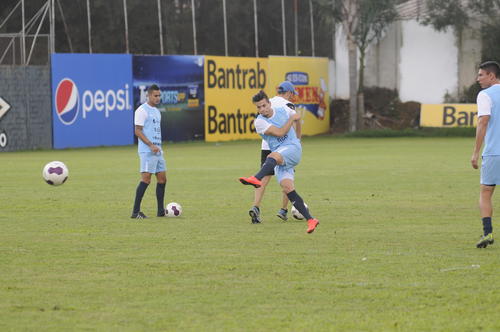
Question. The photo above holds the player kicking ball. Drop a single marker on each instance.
(275, 126)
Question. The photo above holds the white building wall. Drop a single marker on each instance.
(428, 63)
(418, 61)
(341, 68)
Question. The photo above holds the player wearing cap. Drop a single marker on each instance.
(275, 125)
(283, 98)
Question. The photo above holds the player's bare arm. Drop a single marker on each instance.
(142, 137)
(280, 132)
(482, 125)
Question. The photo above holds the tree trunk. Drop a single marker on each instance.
(353, 54)
(361, 93)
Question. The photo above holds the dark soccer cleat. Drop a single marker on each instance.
(282, 214)
(485, 241)
(252, 180)
(311, 225)
(254, 213)
(161, 213)
(138, 215)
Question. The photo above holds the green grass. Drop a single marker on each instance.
(394, 250)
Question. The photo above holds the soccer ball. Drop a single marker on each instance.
(173, 209)
(296, 214)
(55, 173)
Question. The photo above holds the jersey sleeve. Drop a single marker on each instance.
(140, 117)
(483, 104)
(290, 109)
(261, 125)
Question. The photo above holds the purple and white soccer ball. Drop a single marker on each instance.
(55, 173)
(296, 214)
(173, 209)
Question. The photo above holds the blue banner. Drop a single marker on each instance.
(92, 100)
(180, 78)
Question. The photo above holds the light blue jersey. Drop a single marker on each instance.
(492, 139)
(150, 118)
(279, 119)
(287, 146)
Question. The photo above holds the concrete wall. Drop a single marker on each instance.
(28, 123)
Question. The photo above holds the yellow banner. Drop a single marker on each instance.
(310, 77)
(230, 84)
(448, 115)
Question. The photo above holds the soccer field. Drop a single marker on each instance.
(394, 250)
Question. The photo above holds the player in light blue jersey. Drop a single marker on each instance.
(147, 121)
(488, 131)
(275, 126)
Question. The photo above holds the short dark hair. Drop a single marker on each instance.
(259, 96)
(491, 67)
(152, 88)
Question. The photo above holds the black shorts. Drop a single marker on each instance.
(263, 156)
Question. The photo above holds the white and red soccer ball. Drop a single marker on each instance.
(55, 173)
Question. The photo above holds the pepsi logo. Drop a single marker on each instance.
(67, 101)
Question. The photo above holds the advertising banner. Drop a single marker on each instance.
(310, 77)
(180, 78)
(230, 83)
(448, 115)
(92, 100)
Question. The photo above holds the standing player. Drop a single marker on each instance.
(148, 130)
(488, 130)
(283, 99)
(276, 127)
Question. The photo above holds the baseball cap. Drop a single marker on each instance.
(286, 86)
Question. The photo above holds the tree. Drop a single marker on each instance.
(363, 22)
(460, 14)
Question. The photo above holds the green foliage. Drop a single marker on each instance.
(394, 250)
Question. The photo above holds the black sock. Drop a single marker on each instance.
(141, 189)
(299, 204)
(487, 228)
(160, 195)
(267, 168)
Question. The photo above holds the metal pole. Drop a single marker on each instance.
(283, 25)
(296, 28)
(89, 27)
(225, 26)
(42, 19)
(312, 26)
(160, 27)
(256, 28)
(193, 14)
(52, 27)
(23, 37)
(127, 50)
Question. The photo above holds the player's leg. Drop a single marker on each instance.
(286, 179)
(254, 211)
(490, 167)
(272, 160)
(161, 178)
(282, 213)
(161, 182)
(141, 189)
(486, 210)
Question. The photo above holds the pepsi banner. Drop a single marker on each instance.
(180, 78)
(92, 100)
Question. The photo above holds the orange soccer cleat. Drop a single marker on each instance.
(252, 180)
(311, 225)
